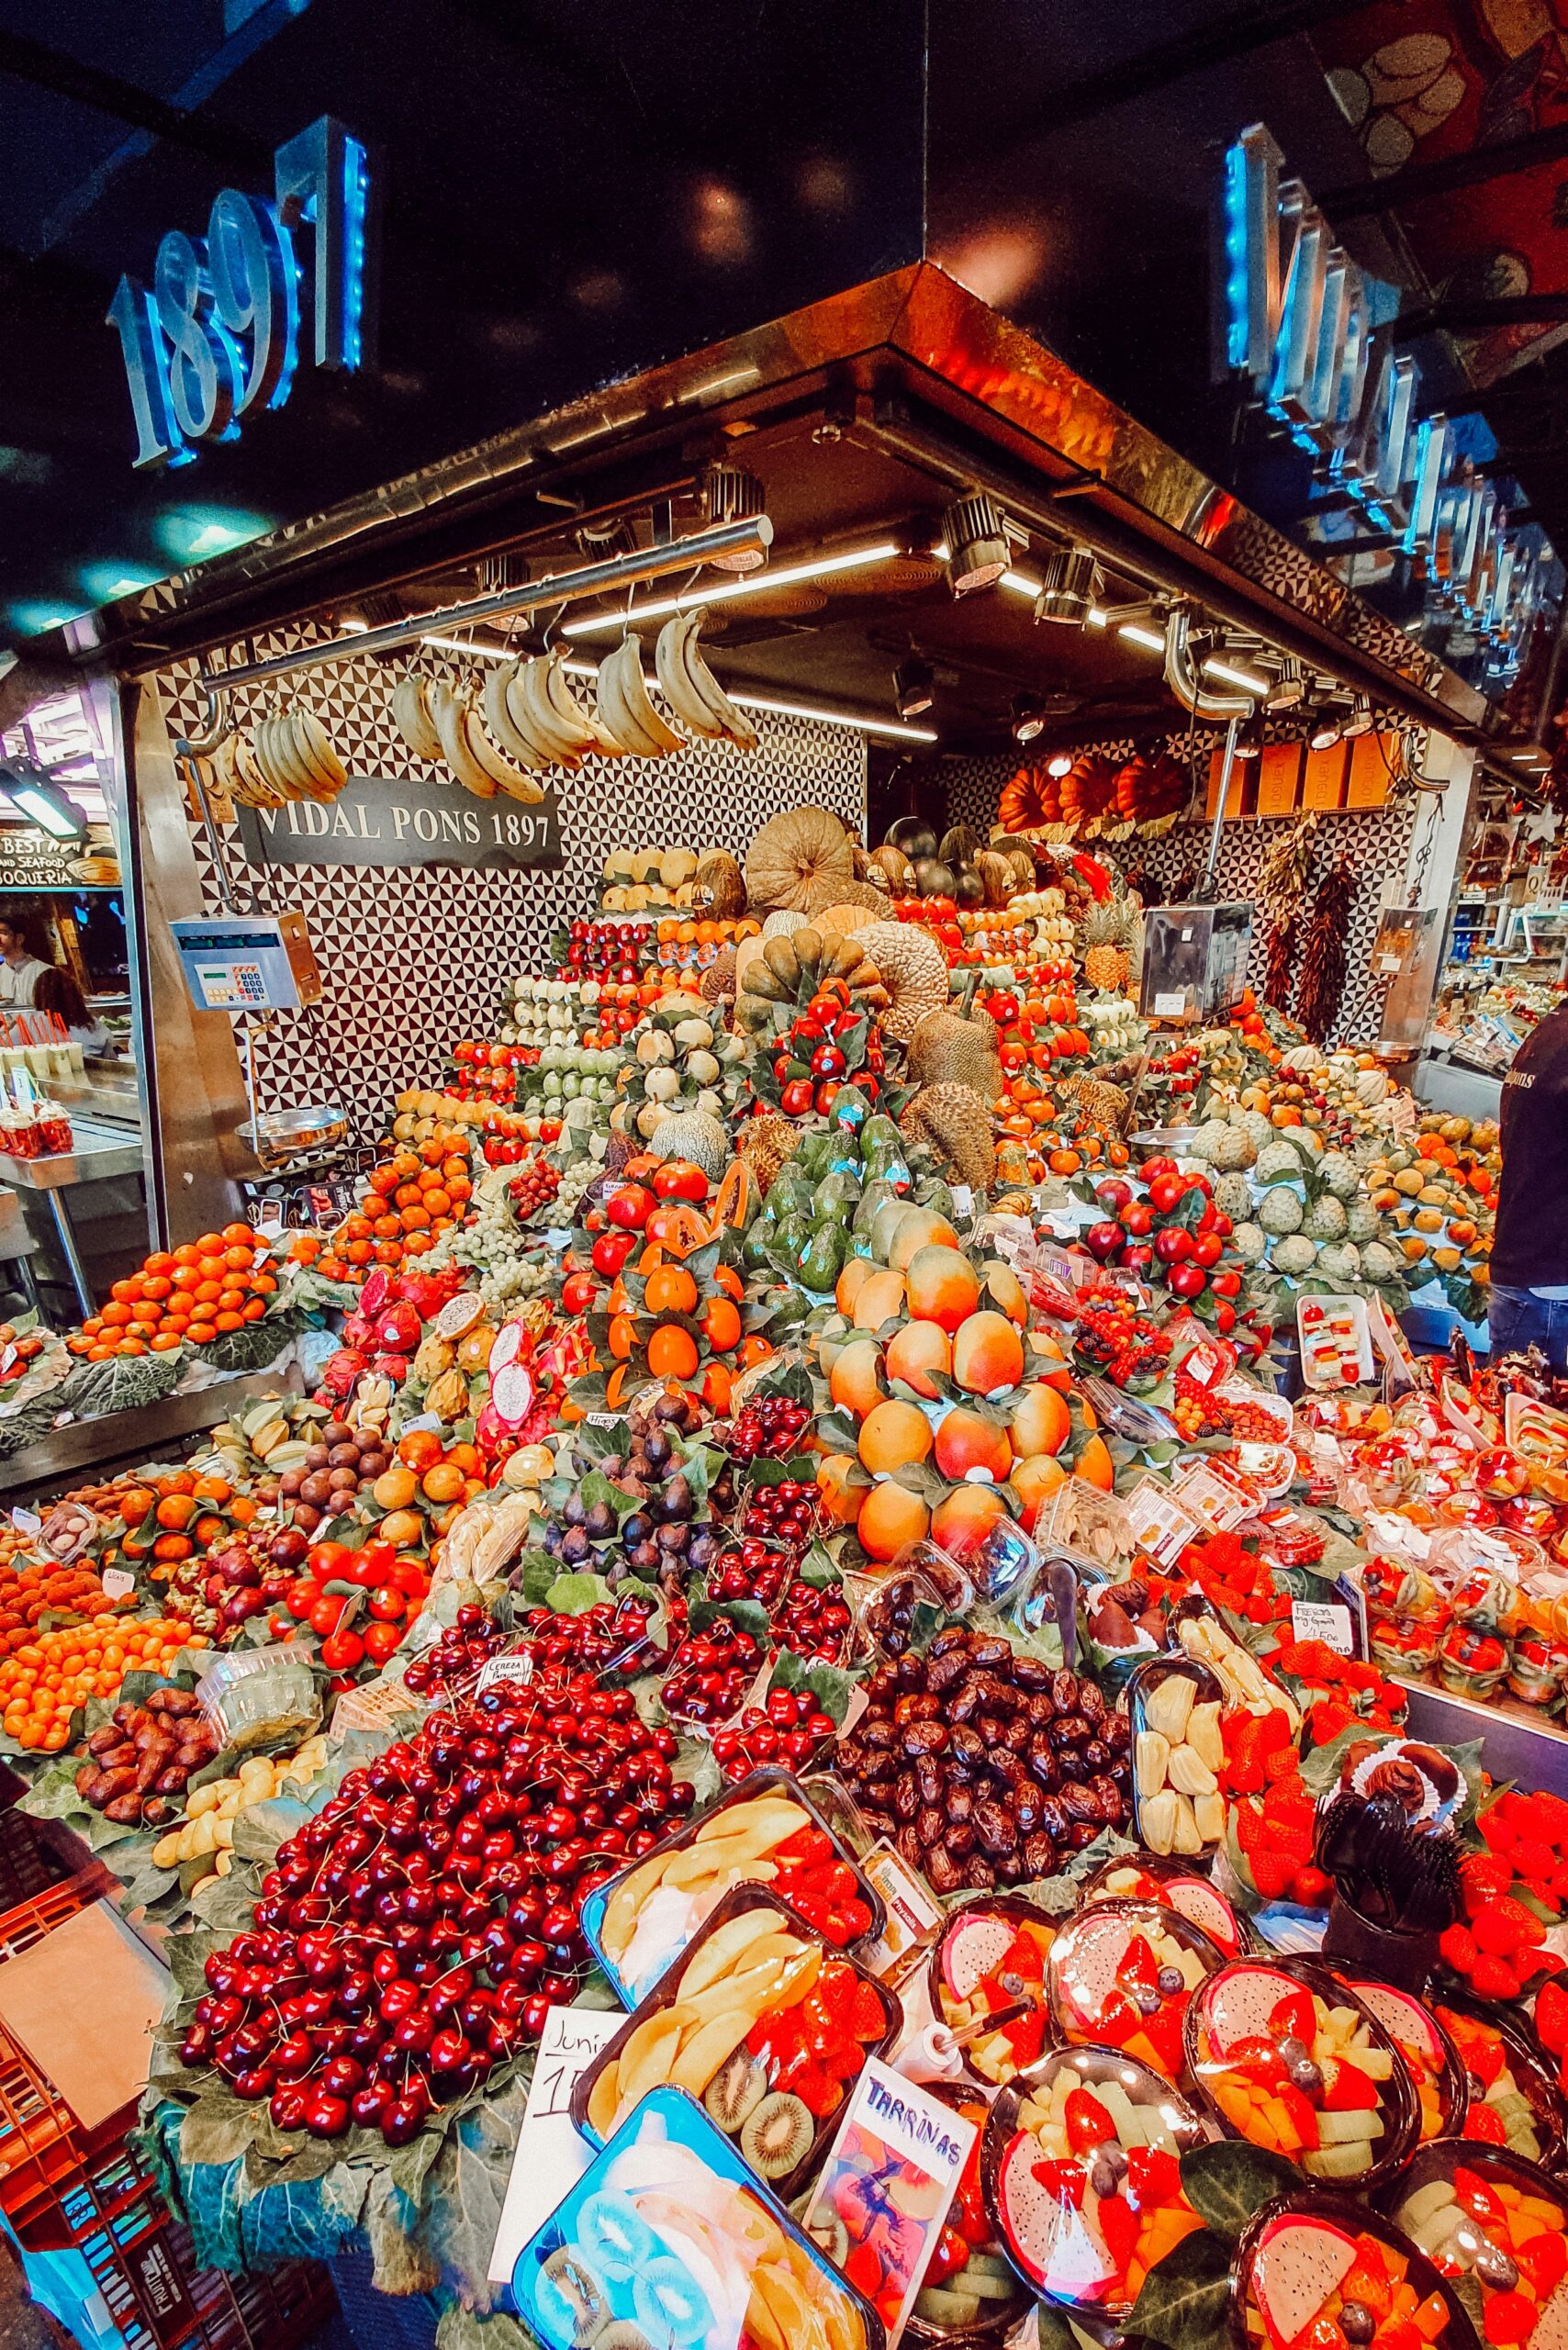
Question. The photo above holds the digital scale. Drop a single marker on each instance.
(247, 962)
(1195, 961)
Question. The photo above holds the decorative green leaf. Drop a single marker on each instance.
(1226, 2183)
(575, 1594)
(596, 1488)
(1185, 2297)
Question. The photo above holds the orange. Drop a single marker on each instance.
(395, 1488)
(443, 1482)
(176, 1510)
(672, 1353)
(671, 1290)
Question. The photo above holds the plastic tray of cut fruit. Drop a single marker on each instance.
(1498, 2228)
(1121, 1975)
(1433, 2061)
(1175, 1703)
(1291, 2060)
(669, 2239)
(1174, 1884)
(1315, 2269)
(990, 1961)
(1513, 2101)
(1081, 2171)
(971, 2287)
(763, 2022)
(765, 1830)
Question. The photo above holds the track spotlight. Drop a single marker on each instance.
(1289, 689)
(1070, 588)
(912, 689)
(975, 538)
(1249, 738)
(1028, 718)
(731, 494)
(1361, 718)
(1059, 766)
(35, 795)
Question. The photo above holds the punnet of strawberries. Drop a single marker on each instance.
(1513, 1893)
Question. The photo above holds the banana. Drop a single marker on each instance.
(710, 693)
(251, 784)
(567, 710)
(314, 745)
(498, 719)
(674, 680)
(449, 710)
(410, 709)
(511, 780)
(634, 687)
(286, 758)
(269, 759)
(612, 706)
(540, 713)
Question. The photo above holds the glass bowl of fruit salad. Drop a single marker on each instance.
(1497, 2229)
(1320, 2272)
(1175, 1884)
(1436, 2071)
(990, 1961)
(1082, 2177)
(1290, 2059)
(1513, 2101)
(971, 2287)
(1121, 1975)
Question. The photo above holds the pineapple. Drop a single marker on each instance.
(1103, 933)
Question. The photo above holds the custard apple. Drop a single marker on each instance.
(1339, 1261)
(1309, 1140)
(1378, 1263)
(1281, 1211)
(1296, 1254)
(1337, 1173)
(1256, 1128)
(1279, 1158)
(1208, 1138)
(1251, 1243)
(1325, 1219)
(1233, 1197)
(1363, 1221)
(1234, 1149)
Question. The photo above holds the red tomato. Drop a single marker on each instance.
(327, 1614)
(343, 1651)
(381, 1641)
(328, 1559)
(388, 1603)
(410, 1576)
(629, 1206)
(1208, 1248)
(302, 1597)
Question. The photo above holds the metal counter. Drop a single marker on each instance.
(98, 1153)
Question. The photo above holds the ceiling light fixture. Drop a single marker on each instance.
(818, 567)
(1325, 731)
(1028, 718)
(35, 795)
(1152, 640)
(1288, 691)
(1249, 737)
(1363, 718)
(1248, 680)
(731, 494)
(1061, 765)
(976, 537)
(912, 687)
(1071, 589)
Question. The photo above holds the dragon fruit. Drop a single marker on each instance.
(397, 1328)
(342, 1371)
(1405, 2020)
(1033, 2214)
(1298, 2263)
(974, 1950)
(1241, 2002)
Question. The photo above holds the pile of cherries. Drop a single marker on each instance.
(414, 1932)
(815, 1624)
(710, 1673)
(757, 1570)
(472, 1638)
(767, 1429)
(785, 1513)
(791, 1730)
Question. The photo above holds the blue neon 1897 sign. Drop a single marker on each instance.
(217, 332)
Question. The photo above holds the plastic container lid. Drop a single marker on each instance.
(1122, 1974)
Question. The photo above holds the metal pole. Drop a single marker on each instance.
(1231, 732)
(746, 536)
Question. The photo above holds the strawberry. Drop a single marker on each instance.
(1494, 1978)
(866, 2018)
(1088, 2124)
(1310, 1889)
(1296, 1844)
(1154, 2178)
(1533, 1858)
(1250, 1829)
(1482, 1877)
(1350, 2091)
(1552, 2016)
(1483, 2124)
(1542, 2259)
(1283, 1762)
(1497, 1833)
(1119, 2224)
(1457, 1947)
(1502, 1925)
(1271, 1871)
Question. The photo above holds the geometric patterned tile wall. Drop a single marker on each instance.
(1376, 840)
(413, 959)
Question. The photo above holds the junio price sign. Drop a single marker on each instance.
(216, 334)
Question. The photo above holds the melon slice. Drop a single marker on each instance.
(1298, 2265)
(1033, 2215)
(1240, 2003)
(974, 1949)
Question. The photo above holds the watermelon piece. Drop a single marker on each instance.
(1298, 2263)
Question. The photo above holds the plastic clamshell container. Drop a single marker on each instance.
(1150, 1676)
(638, 2039)
(1053, 2240)
(1175, 1884)
(1269, 2271)
(998, 2314)
(1234, 2006)
(1093, 1961)
(666, 2223)
(973, 1943)
(903, 1609)
(766, 1782)
(1456, 2226)
(1425, 2046)
(1524, 2069)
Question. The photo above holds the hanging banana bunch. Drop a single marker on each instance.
(534, 698)
(691, 689)
(294, 758)
(626, 709)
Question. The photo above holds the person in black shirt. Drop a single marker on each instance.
(1530, 1246)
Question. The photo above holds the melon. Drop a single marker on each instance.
(1240, 2003)
(1298, 2265)
(975, 1948)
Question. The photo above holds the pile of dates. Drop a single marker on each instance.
(140, 1762)
(984, 1766)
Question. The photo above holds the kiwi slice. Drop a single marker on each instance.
(571, 2296)
(939, 2305)
(777, 2135)
(736, 2090)
(827, 2229)
(621, 2335)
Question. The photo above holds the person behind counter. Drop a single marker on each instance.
(1528, 1291)
(31, 981)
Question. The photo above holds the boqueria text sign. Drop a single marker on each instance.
(403, 820)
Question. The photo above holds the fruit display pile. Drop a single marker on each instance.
(793, 1528)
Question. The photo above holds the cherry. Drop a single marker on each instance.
(369, 2104)
(402, 2119)
(289, 2106)
(327, 2117)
